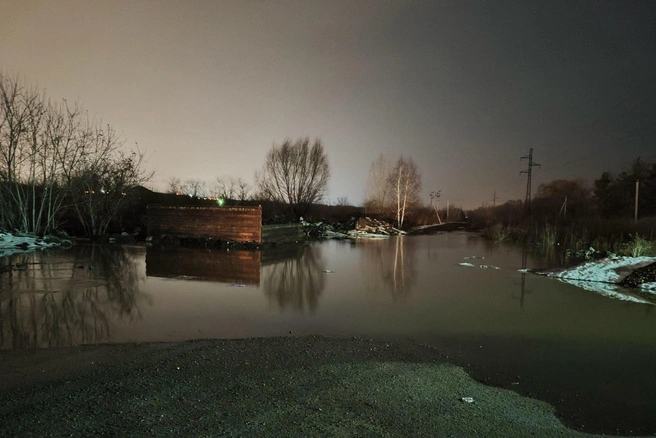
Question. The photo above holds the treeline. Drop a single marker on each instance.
(615, 194)
(60, 167)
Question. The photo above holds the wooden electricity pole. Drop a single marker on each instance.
(563, 209)
(635, 213)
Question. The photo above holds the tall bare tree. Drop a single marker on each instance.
(405, 184)
(377, 196)
(295, 174)
(19, 107)
(62, 151)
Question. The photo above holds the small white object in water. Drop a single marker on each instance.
(328, 271)
(469, 265)
(467, 399)
(238, 285)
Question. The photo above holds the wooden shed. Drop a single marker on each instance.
(239, 224)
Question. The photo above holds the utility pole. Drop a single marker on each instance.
(436, 195)
(494, 199)
(528, 172)
(563, 209)
(635, 213)
(447, 210)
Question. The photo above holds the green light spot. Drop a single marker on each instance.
(220, 202)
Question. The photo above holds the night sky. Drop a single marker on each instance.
(464, 88)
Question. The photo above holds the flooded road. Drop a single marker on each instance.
(590, 356)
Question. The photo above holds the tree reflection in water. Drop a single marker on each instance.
(395, 261)
(68, 297)
(294, 278)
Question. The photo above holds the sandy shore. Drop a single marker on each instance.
(312, 386)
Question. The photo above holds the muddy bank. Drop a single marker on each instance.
(312, 386)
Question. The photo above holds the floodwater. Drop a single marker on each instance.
(592, 357)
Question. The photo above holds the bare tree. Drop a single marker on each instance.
(224, 187)
(174, 186)
(63, 150)
(49, 154)
(405, 183)
(295, 174)
(101, 185)
(194, 188)
(243, 189)
(19, 109)
(377, 196)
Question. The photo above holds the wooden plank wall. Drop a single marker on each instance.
(235, 266)
(241, 224)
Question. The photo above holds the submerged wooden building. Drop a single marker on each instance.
(239, 224)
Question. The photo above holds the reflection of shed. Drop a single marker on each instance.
(239, 224)
(236, 266)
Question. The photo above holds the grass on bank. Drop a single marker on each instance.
(606, 236)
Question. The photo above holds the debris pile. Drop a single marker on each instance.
(360, 228)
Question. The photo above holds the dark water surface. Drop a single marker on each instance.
(592, 357)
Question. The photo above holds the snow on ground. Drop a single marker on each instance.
(608, 270)
(649, 287)
(603, 276)
(11, 244)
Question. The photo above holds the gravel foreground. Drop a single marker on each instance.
(283, 387)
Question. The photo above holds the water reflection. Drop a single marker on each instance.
(229, 266)
(393, 265)
(294, 277)
(49, 300)
(522, 289)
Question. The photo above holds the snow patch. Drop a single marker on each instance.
(603, 277)
(18, 244)
(471, 265)
(606, 289)
(604, 270)
(648, 287)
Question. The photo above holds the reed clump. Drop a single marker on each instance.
(638, 246)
